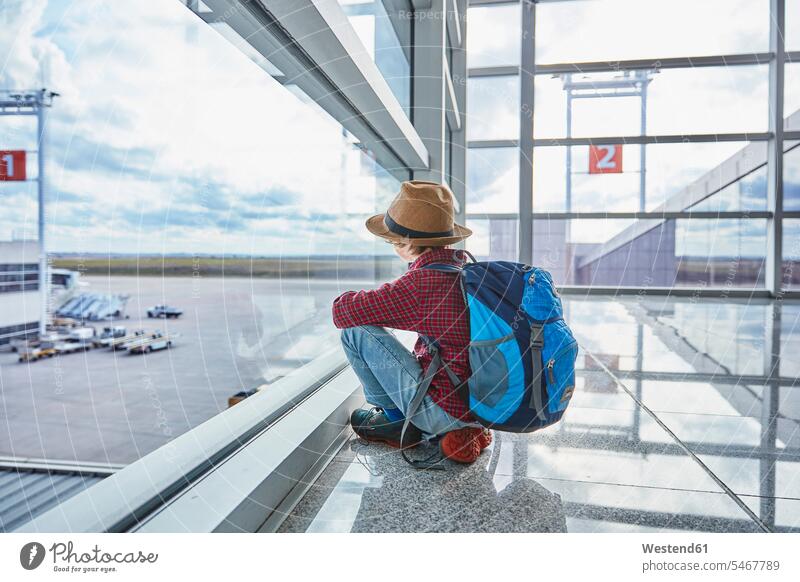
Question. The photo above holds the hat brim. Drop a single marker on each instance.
(377, 227)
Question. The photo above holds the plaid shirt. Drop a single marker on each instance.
(427, 302)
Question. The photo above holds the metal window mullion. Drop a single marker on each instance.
(430, 99)
(493, 143)
(458, 148)
(491, 2)
(633, 139)
(499, 71)
(652, 215)
(652, 139)
(659, 64)
(774, 262)
(733, 60)
(527, 72)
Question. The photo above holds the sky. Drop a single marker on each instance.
(168, 139)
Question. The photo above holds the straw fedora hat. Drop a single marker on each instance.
(421, 214)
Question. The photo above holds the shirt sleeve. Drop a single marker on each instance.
(393, 304)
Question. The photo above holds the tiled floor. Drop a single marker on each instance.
(686, 417)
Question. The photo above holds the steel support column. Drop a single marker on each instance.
(527, 72)
(430, 90)
(774, 262)
(458, 148)
(44, 279)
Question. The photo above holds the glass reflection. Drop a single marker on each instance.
(492, 179)
(494, 36)
(579, 31)
(385, 32)
(493, 108)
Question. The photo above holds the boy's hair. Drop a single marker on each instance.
(418, 250)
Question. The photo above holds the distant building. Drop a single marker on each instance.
(19, 290)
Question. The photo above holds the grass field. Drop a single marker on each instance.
(206, 266)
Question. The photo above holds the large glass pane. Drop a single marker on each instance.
(493, 108)
(650, 253)
(791, 253)
(612, 30)
(700, 100)
(791, 176)
(791, 91)
(386, 34)
(183, 175)
(793, 25)
(701, 176)
(492, 180)
(494, 239)
(494, 36)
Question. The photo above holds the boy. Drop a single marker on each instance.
(419, 224)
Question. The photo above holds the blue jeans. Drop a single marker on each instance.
(390, 375)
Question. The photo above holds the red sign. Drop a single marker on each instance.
(605, 159)
(12, 165)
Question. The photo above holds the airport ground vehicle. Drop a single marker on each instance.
(33, 352)
(152, 343)
(122, 343)
(107, 335)
(70, 347)
(164, 311)
(57, 334)
(94, 307)
(82, 334)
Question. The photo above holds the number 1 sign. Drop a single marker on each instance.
(605, 159)
(12, 165)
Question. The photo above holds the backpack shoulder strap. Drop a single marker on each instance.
(436, 364)
(443, 268)
(413, 407)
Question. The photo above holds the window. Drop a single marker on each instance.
(791, 91)
(677, 177)
(385, 32)
(791, 176)
(188, 177)
(792, 25)
(493, 180)
(492, 108)
(493, 38)
(652, 253)
(609, 30)
(791, 253)
(617, 144)
(677, 101)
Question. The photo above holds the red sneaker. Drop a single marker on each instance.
(484, 438)
(462, 445)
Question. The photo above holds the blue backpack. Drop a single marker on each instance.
(522, 354)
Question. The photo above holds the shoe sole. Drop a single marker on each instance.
(391, 443)
(460, 447)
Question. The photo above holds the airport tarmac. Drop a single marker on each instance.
(114, 407)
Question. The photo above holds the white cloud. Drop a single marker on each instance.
(174, 109)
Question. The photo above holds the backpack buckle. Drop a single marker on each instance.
(537, 337)
(431, 345)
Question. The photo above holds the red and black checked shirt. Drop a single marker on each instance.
(427, 302)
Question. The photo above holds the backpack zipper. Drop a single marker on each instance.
(552, 361)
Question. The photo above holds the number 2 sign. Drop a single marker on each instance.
(12, 165)
(605, 159)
